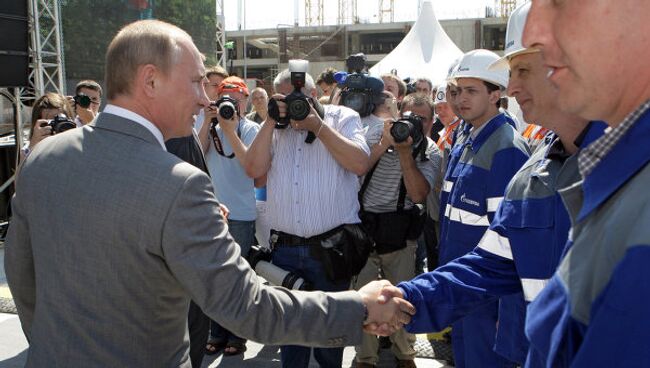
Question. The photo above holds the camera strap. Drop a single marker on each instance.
(401, 197)
(216, 141)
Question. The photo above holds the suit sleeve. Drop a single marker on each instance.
(19, 265)
(206, 260)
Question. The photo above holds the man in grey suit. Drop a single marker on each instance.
(111, 235)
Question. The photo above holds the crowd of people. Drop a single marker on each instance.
(402, 207)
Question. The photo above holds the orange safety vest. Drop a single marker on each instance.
(447, 137)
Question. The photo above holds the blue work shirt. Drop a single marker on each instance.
(594, 311)
(519, 252)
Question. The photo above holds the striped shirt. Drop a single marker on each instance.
(308, 191)
(383, 189)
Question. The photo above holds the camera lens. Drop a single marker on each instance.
(82, 100)
(227, 110)
(401, 130)
(299, 109)
(356, 101)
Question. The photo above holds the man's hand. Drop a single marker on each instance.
(41, 131)
(210, 113)
(85, 115)
(387, 311)
(228, 125)
(312, 122)
(225, 212)
(404, 147)
(386, 138)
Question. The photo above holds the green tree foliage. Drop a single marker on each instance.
(89, 26)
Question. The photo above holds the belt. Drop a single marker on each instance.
(286, 239)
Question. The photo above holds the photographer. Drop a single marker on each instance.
(402, 176)
(394, 85)
(230, 134)
(45, 109)
(312, 190)
(87, 99)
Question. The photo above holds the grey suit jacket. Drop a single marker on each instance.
(110, 238)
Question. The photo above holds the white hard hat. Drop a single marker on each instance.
(476, 63)
(514, 33)
(452, 68)
(441, 94)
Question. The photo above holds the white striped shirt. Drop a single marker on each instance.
(308, 192)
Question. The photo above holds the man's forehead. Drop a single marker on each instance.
(468, 82)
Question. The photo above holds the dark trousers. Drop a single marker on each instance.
(299, 259)
(199, 327)
(427, 247)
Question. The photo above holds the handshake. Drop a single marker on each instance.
(387, 311)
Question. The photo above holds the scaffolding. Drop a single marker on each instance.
(506, 7)
(347, 12)
(221, 34)
(386, 11)
(46, 67)
(314, 13)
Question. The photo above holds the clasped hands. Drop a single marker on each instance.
(387, 310)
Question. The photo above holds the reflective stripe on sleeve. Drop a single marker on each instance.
(532, 288)
(493, 203)
(465, 217)
(496, 244)
(447, 185)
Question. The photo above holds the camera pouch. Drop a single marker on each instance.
(344, 251)
(391, 230)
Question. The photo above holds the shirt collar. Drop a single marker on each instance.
(627, 157)
(128, 114)
(485, 131)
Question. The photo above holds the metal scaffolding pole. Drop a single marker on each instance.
(222, 53)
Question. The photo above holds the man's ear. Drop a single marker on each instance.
(494, 96)
(149, 79)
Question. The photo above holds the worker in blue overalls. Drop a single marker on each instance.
(481, 164)
(526, 239)
(594, 311)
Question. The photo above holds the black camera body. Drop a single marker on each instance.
(357, 95)
(60, 123)
(227, 108)
(82, 100)
(298, 104)
(356, 63)
(410, 125)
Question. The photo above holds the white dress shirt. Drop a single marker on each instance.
(128, 114)
(308, 192)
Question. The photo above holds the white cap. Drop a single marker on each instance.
(514, 34)
(441, 94)
(476, 63)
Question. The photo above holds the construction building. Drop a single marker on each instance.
(268, 50)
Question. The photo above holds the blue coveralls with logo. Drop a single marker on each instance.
(519, 252)
(479, 169)
(594, 311)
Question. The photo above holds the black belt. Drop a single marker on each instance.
(286, 239)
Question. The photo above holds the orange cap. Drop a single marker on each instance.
(233, 84)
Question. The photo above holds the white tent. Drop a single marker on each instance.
(426, 51)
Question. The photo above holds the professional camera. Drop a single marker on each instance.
(359, 91)
(298, 104)
(410, 125)
(227, 107)
(82, 100)
(60, 123)
(260, 260)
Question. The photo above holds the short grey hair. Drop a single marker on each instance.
(285, 77)
(259, 90)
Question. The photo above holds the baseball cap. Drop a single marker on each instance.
(233, 84)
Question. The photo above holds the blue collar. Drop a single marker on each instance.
(627, 158)
(487, 131)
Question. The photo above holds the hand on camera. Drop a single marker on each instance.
(228, 125)
(387, 311)
(210, 112)
(41, 131)
(386, 138)
(312, 122)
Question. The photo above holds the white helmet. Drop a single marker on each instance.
(514, 34)
(476, 63)
(441, 94)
